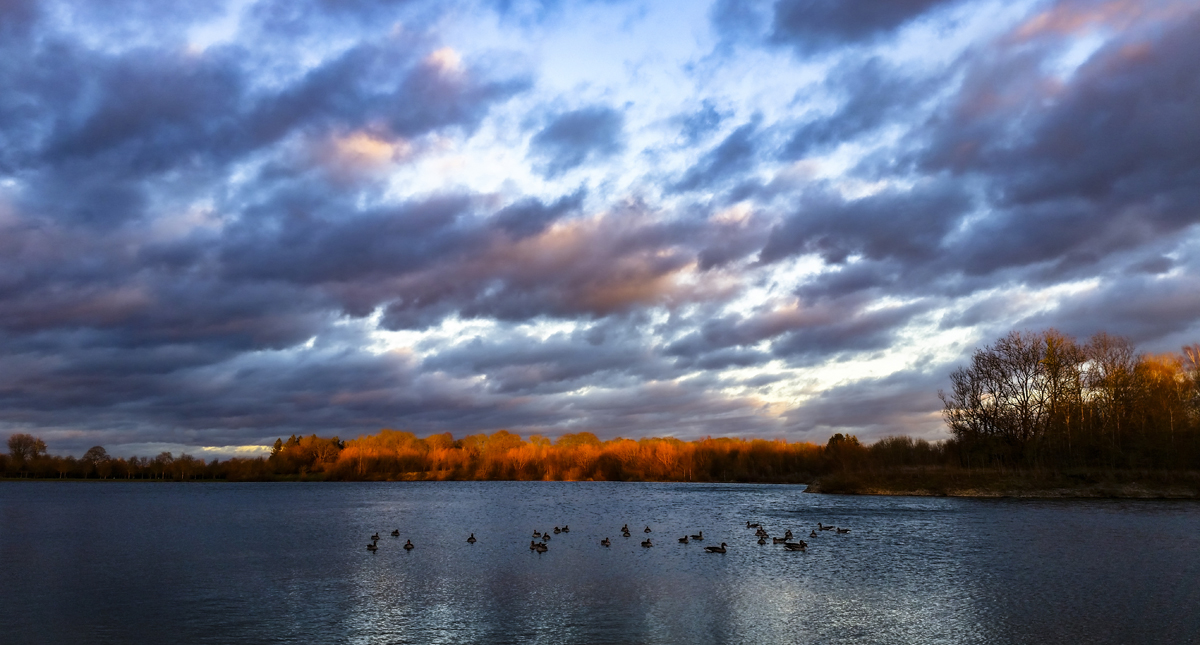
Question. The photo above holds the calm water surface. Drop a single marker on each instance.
(287, 563)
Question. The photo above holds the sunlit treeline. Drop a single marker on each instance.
(1045, 399)
(392, 454)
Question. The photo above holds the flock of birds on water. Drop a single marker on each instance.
(787, 540)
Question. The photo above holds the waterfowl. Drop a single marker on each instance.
(752, 526)
(788, 534)
(537, 534)
(533, 545)
(715, 549)
(823, 527)
(371, 547)
(566, 529)
(471, 540)
(762, 540)
(779, 540)
(542, 548)
(605, 542)
(812, 533)
(843, 530)
(796, 546)
(624, 528)
(546, 536)
(408, 545)
(625, 534)
(683, 540)
(647, 530)
(375, 537)
(698, 536)
(646, 543)
(396, 533)
(557, 530)
(762, 533)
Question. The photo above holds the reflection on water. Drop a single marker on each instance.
(252, 563)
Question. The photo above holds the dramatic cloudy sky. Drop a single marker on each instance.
(225, 222)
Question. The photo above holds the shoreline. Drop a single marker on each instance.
(1014, 485)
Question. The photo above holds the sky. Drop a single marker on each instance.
(226, 222)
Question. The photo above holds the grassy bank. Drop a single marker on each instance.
(959, 482)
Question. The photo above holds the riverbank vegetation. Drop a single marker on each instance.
(1037, 414)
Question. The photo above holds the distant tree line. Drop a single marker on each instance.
(27, 458)
(1044, 399)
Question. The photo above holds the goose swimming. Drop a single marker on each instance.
(698, 536)
(396, 533)
(372, 548)
(683, 540)
(605, 542)
(796, 546)
(408, 545)
(715, 549)
(646, 543)
(471, 540)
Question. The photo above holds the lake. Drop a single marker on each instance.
(114, 562)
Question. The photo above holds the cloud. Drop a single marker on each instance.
(723, 164)
(894, 223)
(811, 26)
(871, 95)
(694, 126)
(573, 138)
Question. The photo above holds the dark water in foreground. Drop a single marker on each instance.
(264, 563)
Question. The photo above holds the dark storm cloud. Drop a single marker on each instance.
(530, 216)
(802, 334)
(695, 126)
(589, 268)
(871, 94)
(573, 138)
(724, 163)
(16, 16)
(817, 25)
(895, 223)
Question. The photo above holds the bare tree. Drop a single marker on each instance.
(1001, 400)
